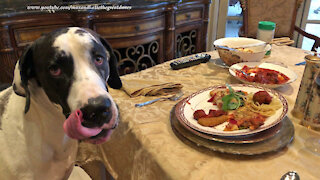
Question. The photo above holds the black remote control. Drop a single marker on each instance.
(190, 61)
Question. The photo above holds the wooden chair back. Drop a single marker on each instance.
(282, 12)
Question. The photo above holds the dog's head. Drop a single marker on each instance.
(72, 65)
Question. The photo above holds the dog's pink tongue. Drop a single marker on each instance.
(74, 129)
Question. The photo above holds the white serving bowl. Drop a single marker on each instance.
(232, 56)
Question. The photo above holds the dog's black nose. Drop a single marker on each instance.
(97, 112)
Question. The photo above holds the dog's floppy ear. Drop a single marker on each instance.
(22, 73)
(114, 80)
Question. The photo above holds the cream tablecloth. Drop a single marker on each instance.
(145, 147)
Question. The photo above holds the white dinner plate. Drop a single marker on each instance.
(186, 107)
(286, 71)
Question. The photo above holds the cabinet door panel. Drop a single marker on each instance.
(129, 28)
(188, 15)
(26, 35)
(139, 53)
(188, 40)
(7, 61)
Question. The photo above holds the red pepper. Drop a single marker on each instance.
(232, 121)
(212, 98)
(199, 114)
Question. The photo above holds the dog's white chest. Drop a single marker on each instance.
(31, 150)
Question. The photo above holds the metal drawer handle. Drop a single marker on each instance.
(137, 28)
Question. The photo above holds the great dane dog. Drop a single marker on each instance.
(58, 97)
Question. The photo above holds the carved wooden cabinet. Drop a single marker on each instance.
(142, 37)
(191, 29)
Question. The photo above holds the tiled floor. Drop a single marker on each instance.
(232, 28)
(312, 29)
(314, 14)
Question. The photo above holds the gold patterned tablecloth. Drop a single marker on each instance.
(145, 147)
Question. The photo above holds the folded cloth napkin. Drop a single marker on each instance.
(142, 87)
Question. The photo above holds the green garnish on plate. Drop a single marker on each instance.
(233, 100)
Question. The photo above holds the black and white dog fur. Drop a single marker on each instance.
(59, 82)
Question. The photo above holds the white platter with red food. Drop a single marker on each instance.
(261, 78)
(199, 101)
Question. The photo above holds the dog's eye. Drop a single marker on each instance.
(55, 70)
(99, 60)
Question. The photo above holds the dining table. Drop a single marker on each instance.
(146, 146)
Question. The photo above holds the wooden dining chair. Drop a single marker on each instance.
(282, 12)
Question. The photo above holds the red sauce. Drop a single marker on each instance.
(262, 75)
(212, 98)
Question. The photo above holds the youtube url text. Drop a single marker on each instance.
(54, 8)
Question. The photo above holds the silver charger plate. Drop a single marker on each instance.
(218, 62)
(280, 140)
(253, 138)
